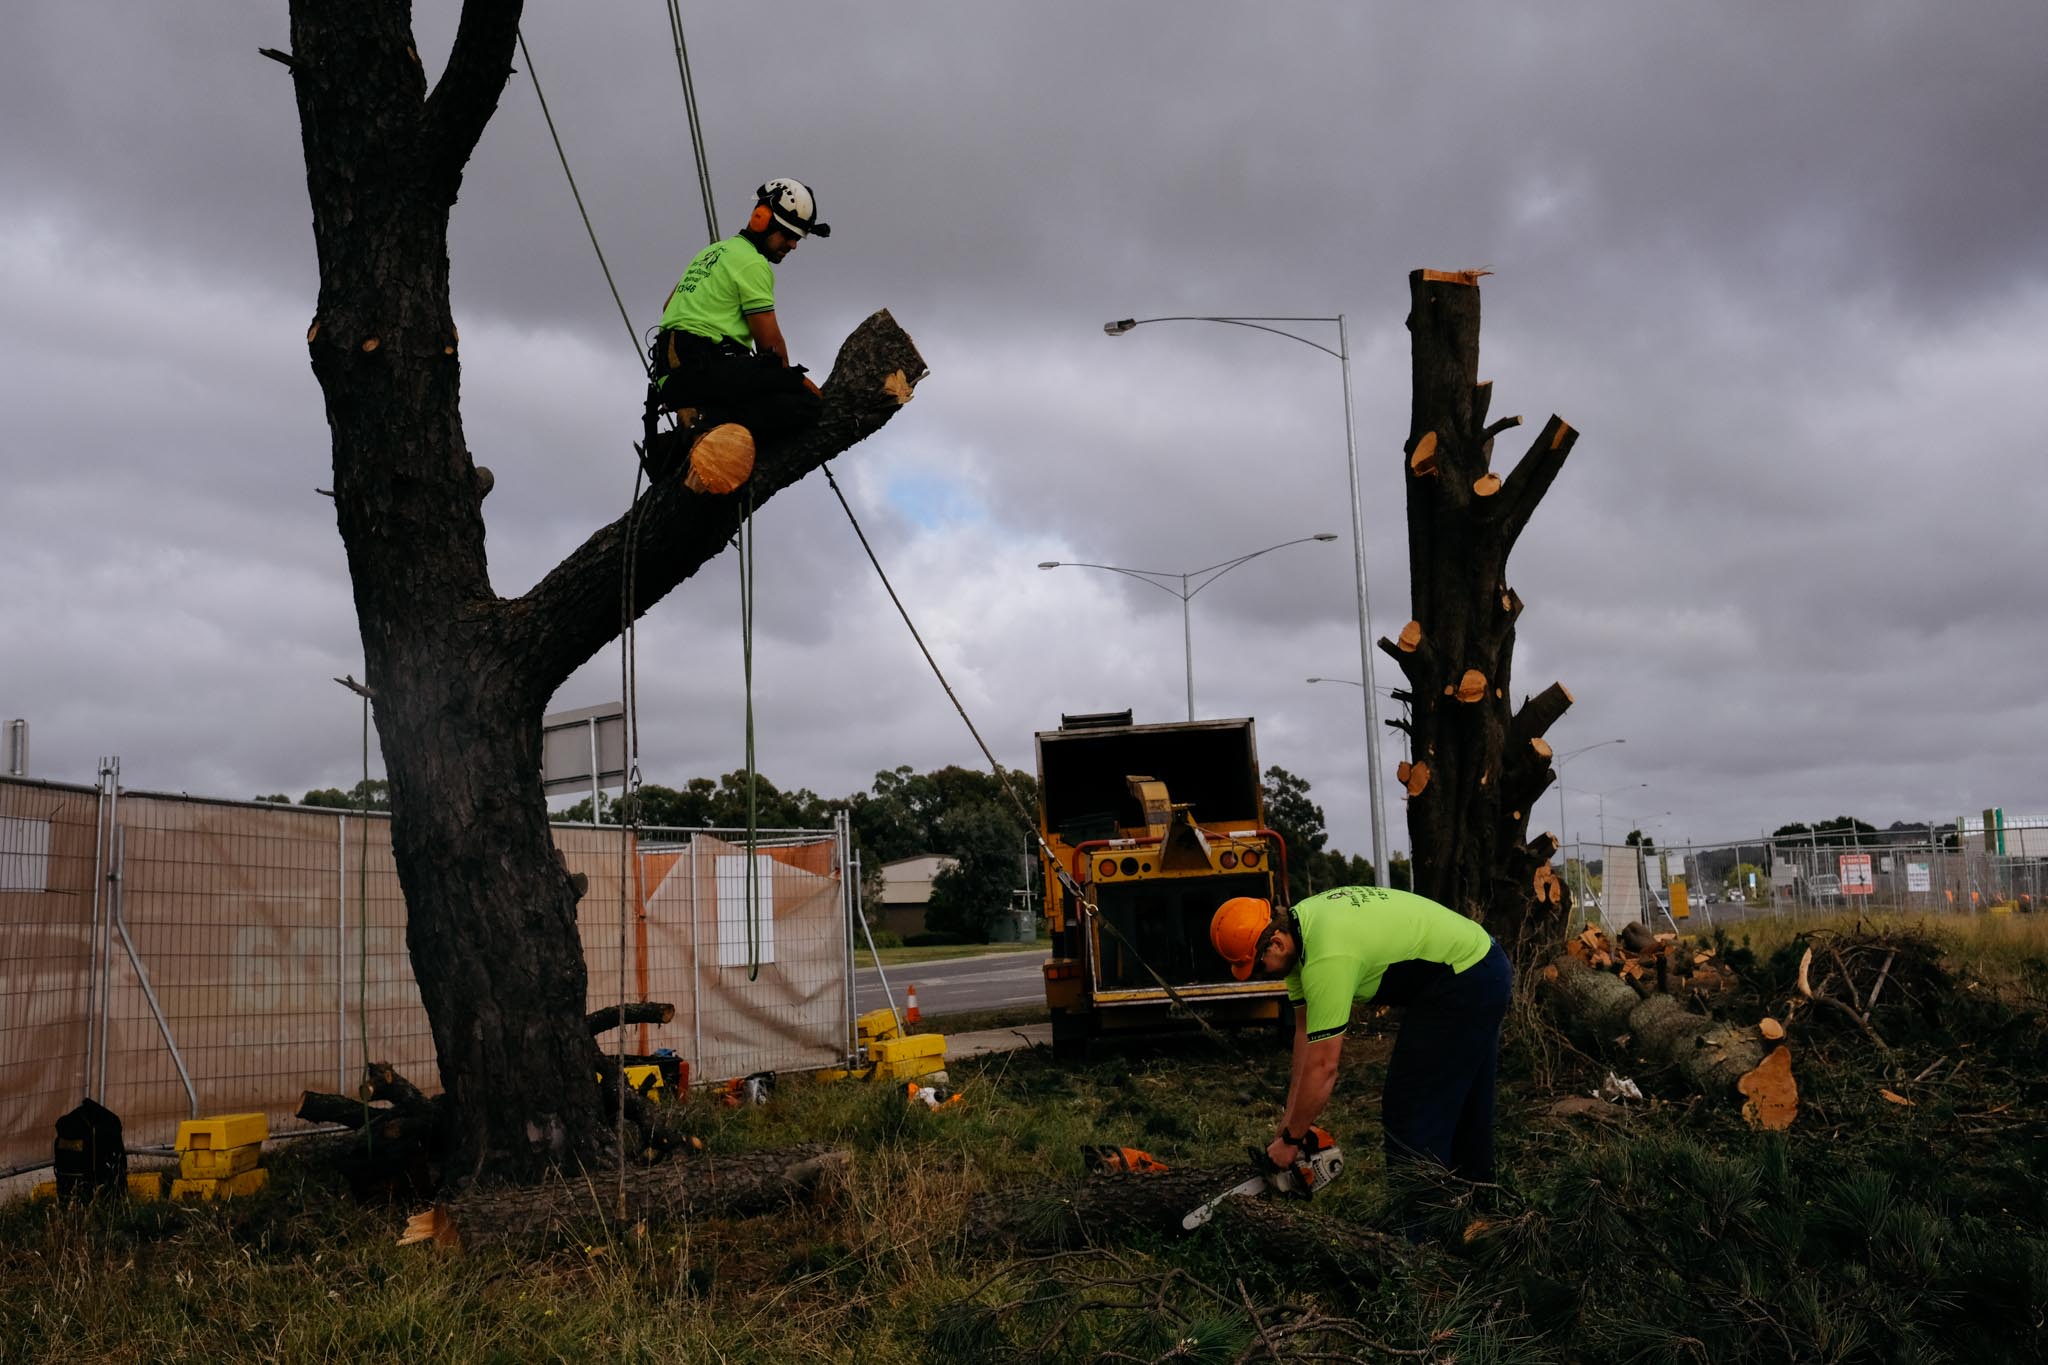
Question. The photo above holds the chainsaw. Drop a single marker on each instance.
(1318, 1161)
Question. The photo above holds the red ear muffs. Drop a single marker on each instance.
(760, 219)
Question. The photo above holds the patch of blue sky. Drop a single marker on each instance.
(934, 500)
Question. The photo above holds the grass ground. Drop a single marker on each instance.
(892, 957)
(1872, 1231)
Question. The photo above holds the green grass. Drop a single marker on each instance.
(1869, 1232)
(895, 957)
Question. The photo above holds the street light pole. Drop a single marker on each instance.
(1558, 763)
(1162, 581)
(1380, 852)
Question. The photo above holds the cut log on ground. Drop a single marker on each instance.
(1602, 1006)
(1103, 1210)
(564, 1210)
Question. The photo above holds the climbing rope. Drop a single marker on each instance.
(628, 681)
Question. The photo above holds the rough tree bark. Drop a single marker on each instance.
(461, 675)
(1479, 764)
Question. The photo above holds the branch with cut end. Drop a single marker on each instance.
(574, 611)
(1534, 473)
(1537, 714)
(632, 1012)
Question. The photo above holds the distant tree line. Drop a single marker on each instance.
(959, 813)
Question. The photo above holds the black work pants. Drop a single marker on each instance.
(727, 383)
(1438, 1101)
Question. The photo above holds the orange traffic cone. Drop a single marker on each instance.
(910, 1014)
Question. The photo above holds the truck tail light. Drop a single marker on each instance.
(1251, 857)
(1229, 860)
(1106, 868)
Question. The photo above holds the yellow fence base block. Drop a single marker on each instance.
(248, 1182)
(898, 1059)
(206, 1163)
(221, 1131)
(876, 1025)
(43, 1192)
(147, 1186)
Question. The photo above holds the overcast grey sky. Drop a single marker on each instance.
(1786, 268)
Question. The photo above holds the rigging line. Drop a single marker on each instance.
(746, 559)
(675, 27)
(563, 156)
(1067, 879)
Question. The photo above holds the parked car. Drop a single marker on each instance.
(1735, 896)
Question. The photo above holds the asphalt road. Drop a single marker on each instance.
(957, 985)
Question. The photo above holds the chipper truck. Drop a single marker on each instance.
(1154, 826)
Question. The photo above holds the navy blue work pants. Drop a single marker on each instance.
(1438, 1101)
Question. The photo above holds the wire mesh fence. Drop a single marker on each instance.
(172, 956)
(1703, 885)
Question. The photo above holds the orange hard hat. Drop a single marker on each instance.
(1235, 929)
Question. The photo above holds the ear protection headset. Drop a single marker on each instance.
(761, 219)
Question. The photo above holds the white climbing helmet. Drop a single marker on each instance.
(792, 205)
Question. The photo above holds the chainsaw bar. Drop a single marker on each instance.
(1208, 1210)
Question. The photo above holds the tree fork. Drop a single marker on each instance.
(460, 674)
(1468, 822)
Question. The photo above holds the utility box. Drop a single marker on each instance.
(1158, 825)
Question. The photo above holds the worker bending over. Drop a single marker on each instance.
(1389, 948)
(720, 359)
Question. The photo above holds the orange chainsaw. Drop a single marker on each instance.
(1317, 1162)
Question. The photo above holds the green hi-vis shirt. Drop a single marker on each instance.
(1353, 935)
(726, 281)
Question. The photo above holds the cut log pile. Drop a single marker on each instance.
(1647, 998)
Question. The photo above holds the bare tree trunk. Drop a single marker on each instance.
(461, 675)
(1478, 764)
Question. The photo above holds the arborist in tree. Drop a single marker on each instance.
(720, 362)
(1389, 948)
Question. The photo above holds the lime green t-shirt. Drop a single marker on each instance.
(726, 281)
(1352, 935)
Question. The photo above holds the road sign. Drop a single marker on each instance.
(1855, 870)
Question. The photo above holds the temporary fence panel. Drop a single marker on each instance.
(1621, 885)
(760, 983)
(171, 956)
(47, 881)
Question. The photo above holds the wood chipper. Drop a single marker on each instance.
(1157, 825)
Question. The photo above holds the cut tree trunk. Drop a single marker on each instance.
(460, 675)
(738, 1185)
(1483, 772)
(1601, 1007)
(1105, 1209)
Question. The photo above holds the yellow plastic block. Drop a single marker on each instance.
(206, 1163)
(146, 1185)
(43, 1192)
(898, 1059)
(223, 1130)
(248, 1182)
(876, 1025)
(636, 1077)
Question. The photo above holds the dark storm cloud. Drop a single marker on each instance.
(1782, 266)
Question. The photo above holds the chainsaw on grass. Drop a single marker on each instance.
(1318, 1161)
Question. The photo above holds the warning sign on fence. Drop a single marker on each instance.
(1856, 878)
(1917, 878)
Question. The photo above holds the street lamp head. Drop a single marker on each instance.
(1048, 563)
(1324, 535)
(1118, 328)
